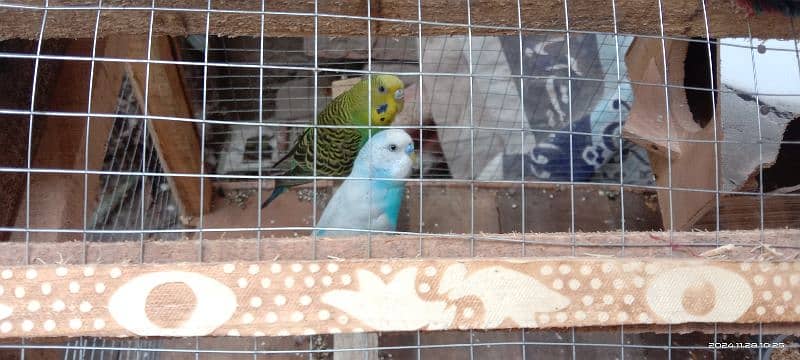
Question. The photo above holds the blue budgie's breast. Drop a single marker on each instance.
(363, 205)
(392, 197)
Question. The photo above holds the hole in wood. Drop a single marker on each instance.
(697, 75)
(783, 173)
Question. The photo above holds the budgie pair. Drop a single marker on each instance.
(386, 155)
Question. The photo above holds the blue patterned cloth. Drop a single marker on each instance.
(598, 108)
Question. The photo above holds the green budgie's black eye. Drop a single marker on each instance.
(393, 147)
(381, 89)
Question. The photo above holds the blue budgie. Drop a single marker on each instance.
(387, 159)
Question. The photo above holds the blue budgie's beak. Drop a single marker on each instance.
(412, 154)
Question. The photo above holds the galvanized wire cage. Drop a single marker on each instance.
(521, 128)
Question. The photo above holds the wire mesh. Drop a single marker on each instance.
(119, 204)
(542, 109)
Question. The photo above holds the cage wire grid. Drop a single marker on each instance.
(217, 114)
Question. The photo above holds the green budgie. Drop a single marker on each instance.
(337, 148)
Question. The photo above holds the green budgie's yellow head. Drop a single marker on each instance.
(387, 98)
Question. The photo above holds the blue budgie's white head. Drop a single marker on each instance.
(388, 154)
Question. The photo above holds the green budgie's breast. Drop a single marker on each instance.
(337, 147)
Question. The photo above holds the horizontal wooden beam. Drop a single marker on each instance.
(281, 298)
(234, 248)
(738, 245)
(744, 213)
(680, 18)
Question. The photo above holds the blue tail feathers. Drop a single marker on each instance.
(275, 193)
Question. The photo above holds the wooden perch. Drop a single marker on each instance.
(242, 298)
(592, 246)
(667, 129)
(177, 142)
(680, 18)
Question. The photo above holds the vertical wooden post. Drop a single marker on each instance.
(689, 141)
(177, 142)
(56, 200)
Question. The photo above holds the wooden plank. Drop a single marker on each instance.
(744, 213)
(38, 354)
(16, 89)
(687, 175)
(239, 209)
(695, 178)
(105, 98)
(648, 122)
(355, 341)
(638, 244)
(633, 17)
(56, 200)
(353, 296)
(597, 208)
(446, 209)
(177, 142)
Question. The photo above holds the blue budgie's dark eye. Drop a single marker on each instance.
(381, 89)
(393, 147)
